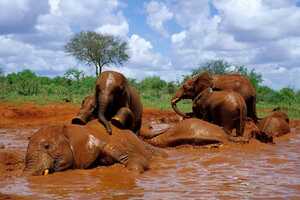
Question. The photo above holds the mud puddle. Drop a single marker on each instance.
(248, 171)
(15, 139)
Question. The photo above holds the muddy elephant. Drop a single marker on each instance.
(87, 111)
(229, 82)
(62, 147)
(275, 124)
(112, 92)
(195, 131)
(224, 108)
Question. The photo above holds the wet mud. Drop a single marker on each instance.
(235, 171)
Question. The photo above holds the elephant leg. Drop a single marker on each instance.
(251, 108)
(137, 126)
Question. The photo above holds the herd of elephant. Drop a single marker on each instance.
(224, 110)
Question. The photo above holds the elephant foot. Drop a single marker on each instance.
(238, 139)
(123, 119)
(79, 121)
(116, 121)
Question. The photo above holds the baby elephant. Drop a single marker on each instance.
(195, 131)
(112, 93)
(224, 108)
(58, 148)
(275, 124)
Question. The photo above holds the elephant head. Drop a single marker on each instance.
(252, 131)
(190, 89)
(57, 148)
(277, 112)
(111, 94)
(87, 110)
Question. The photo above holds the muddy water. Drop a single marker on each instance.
(252, 171)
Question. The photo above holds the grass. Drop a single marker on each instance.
(293, 110)
(150, 101)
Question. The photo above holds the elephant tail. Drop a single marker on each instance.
(242, 119)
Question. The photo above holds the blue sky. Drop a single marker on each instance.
(167, 38)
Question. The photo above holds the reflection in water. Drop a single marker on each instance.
(254, 170)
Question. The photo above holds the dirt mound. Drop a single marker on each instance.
(34, 115)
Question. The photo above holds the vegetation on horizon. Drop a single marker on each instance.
(97, 49)
(74, 85)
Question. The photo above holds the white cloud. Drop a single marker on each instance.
(258, 20)
(157, 14)
(255, 33)
(143, 56)
(41, 48)
(19, 56)
(18, 16)
(178, 37)
(262, 34)
(115, 29)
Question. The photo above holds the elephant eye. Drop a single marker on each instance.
(46, 145)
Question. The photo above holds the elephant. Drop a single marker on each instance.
(195, 131)
(229, 82)
(112, 92)
(276, 112)
(275, 124)
(87, 111)
(61, 147)
(223, 108)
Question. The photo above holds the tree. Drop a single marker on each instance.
(214, 67)
(1, 71)
(223, 67)
(74, 74)
(25, 82)
(254, 77)
(97, 49)
(153, 84)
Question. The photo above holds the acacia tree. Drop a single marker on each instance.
(97, 49)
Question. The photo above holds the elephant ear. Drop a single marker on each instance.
(203, 81)
(85, 147)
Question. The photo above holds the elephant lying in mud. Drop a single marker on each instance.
(194, 131)
(229, 82)
(275, 124)
(62, 147)
(112, 93)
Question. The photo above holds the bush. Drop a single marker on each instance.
(25, 83)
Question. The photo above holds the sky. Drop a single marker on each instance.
(166, 38)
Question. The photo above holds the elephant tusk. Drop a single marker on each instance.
(174, 101)
(116, 118)
(46, 172)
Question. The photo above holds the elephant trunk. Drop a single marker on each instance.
(174, 101)
(38, 164)
(82, 117)
(103, 104)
